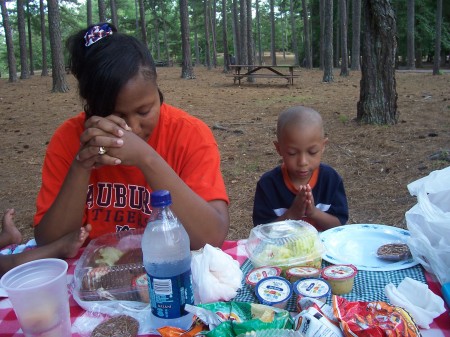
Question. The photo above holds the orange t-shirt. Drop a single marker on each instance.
(118, 197)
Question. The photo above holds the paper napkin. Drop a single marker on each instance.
(415, 297)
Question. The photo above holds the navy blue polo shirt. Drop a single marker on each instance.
(273, 197)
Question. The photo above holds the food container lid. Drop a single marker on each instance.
(339, 272)
(312, 287)
(304, 272)
(284, 243)
(257, 274)
(273, 290)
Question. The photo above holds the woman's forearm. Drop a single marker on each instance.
(205, 222)
(66, 213)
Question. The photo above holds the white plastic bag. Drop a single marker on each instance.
(216, 276)
(429, 223)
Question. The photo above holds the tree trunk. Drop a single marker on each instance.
(186, 66)
(418, 50)
(236, 33)
(196, 47)
(337, 41)
(378, 95)
(136, 8)
(411, 64)
(89, 12)
(207, 37)
(30, 42)
(328, 41)
(58, 73)
(250, 59)
(115, 20)
(322, 33)
(226, 55)
(213, 33)
(166, 42)
(356, 34)
(308, 51)
(283, 32)
(437, 41)
(258, 24)
(156, 32)
(344, 47)
(24, 71)
(44, 71)
(243, 31)
(294, 33)
(9, 43)
(272, 33)
(101, 10)
(142, 22)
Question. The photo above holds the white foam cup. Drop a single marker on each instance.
(39, 296)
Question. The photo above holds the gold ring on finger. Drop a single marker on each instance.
(101, 150)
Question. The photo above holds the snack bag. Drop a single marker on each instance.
(316, 319)
(229, 319)
(373, 319)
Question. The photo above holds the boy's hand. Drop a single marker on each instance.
(309, 205)
(299, 206)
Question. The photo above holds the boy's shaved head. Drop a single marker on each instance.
(299, 116)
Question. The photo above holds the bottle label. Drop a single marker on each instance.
(169, 295)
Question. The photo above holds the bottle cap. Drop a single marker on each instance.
(160, 198)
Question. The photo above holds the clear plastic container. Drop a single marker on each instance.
(285, 244)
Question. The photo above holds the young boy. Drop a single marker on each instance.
(15, 254)
(302, 188)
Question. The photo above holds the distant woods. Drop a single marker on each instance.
(326, 34)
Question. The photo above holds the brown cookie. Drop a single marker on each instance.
(118, 326)
(394, 251)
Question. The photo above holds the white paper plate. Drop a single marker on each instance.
(357, 244)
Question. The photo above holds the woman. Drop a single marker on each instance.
(101, 165)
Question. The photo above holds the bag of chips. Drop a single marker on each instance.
(373, 319)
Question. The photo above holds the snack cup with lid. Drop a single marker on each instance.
(341, 277)
(285, 244)
(274, 291)
(257, 274)
(315, 288)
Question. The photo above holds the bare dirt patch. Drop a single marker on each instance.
(376, 162)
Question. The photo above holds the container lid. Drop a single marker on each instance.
(284, 243)
(257, 274)
(302, 272)
(339, 272)
(312, 287)
(160, 198)
(273, 290)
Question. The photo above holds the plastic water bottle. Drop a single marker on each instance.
(167, 260)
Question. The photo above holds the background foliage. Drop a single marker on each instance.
(166, 14)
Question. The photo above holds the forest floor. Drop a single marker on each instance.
(376, 162)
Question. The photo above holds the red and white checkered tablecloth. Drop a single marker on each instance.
(9, 326)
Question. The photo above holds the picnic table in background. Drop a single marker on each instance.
(9, 326)
(241, 71)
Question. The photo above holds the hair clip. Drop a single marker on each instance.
(96, 33)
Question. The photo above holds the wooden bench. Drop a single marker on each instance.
(252, 71)
(163, 63)
(236, 77)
